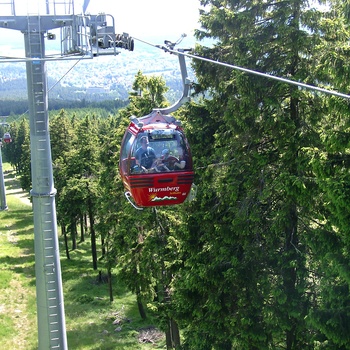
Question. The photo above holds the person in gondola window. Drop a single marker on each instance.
(145, 154)
(168, 162)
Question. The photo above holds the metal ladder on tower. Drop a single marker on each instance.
(48, 290)
(36, 54)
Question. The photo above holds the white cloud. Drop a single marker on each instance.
(136, 17)
(152, 17)
(142, 19)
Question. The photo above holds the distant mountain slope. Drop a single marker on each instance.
(114, 75)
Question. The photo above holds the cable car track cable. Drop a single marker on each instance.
(249, 71)
(62, 77)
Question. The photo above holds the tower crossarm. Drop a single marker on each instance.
(82, 35)
(47, 22)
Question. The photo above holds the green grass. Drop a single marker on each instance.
(17, 280)
(92, 321)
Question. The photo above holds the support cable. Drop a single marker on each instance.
(246, 70)
(62, 77)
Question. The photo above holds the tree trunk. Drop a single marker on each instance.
(110, 285)
(290, 273)
(82, 230)
(172, 335)
(290, 276)
(85, 223)
(103, 246)
(92, 229)
(140, 304)
(93, 244)
(73, 232)
(93, 236)
(64, 232)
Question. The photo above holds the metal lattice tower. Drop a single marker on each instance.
(81, 37)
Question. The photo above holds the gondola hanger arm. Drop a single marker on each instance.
(186, 83)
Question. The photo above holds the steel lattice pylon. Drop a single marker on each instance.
(82, 34)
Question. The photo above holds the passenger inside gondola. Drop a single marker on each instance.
(158, 152)
(145, 154)
(168, 162)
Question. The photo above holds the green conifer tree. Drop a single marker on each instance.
(248, 284)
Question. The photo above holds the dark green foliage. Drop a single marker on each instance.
(260, 259)
(20, 107)
(254, 267)
(17, 153)
(148, 94)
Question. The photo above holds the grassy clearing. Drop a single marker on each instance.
(92, 321)
(17, 279)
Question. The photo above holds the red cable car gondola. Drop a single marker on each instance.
(155, 158)
(155, 162)
(7, 137)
